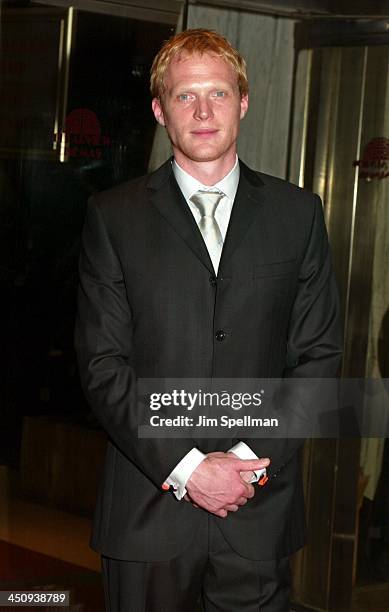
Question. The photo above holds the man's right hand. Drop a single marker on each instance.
(217, 486)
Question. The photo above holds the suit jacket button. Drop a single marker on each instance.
(212, 281)
(220, 335)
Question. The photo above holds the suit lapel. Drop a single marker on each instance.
(247, 205)
(166, 196)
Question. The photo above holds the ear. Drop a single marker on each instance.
(244, 104)
(157, 110)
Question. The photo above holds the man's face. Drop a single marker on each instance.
(201, 108)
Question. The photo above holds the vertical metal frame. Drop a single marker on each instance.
(66, 22)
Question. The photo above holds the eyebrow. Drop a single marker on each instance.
(184, 88)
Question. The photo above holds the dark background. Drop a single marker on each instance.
(42, 212)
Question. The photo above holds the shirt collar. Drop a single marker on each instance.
(189, 185)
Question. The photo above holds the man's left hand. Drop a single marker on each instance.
(246, 476)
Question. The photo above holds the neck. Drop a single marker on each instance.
(207, 172)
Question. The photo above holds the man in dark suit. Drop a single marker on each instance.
(203, 269)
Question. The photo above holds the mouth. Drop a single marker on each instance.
(204, 133)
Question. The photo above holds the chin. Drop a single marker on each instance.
(204, 156)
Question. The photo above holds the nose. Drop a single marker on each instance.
(203, 108)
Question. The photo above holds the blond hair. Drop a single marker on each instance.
(198, 41)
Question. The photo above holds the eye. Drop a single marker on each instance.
(219, 94)
(184, 97)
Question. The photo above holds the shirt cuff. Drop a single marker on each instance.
(243, 451)
(183, 471)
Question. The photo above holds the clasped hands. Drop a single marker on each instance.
(221, 483)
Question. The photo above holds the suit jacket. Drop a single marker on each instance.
(150, 305)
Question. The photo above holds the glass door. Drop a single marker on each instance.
(342, 93)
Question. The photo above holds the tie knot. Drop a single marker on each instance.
(206, 202)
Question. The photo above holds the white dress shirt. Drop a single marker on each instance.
(228, 186)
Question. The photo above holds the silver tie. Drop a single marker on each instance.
(206, 202)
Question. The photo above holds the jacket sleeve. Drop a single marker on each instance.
(314, 347)
(104, 346)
